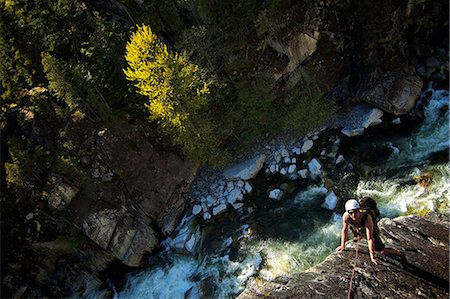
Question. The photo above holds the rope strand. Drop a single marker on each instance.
(353, 271)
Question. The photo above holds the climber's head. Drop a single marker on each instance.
(352, 208)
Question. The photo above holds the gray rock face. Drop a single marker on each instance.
(144, 200)
(121, 234)
(246, 170)
(298, 49)
(61, 196)
(425, 275)
(396, 92)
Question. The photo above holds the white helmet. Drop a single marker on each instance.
(351, 204)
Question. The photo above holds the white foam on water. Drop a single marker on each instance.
(432, 135)
(231, 276)
(162, 283)
(310, 194)
(283, 257)
(395, 198)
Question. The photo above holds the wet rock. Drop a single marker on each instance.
(314, 167)
(425, 242)
(196, 209)
(331, 201)
(353, 132)
(246, 170)
(235, 195)
(340, 159)
(219, 209)
(396, 121)
(276, 194)
(307, 145)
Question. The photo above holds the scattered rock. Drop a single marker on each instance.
(219, 209)
(275, 194)
(331, 201)
(396, 121)
(246, 170)
(307, 145)
(340, 159)
(314, 167)
(196, 209)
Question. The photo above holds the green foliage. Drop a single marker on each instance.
(308, 110)
(198, 45)
(178, 91)
(15, 71)
(265, 25)
(59, 83)
(26, 169)
(231, 17)
(41, 23)
(253, 113)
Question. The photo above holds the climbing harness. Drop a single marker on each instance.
(353, 271)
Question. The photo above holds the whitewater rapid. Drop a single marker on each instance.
(253, 249)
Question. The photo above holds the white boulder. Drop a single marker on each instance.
(190, 245)
(196, 209)
(340, 159)
(303, 173)
(314, 167)
(246, 170)
(248, 188)
(235, 195)
(206, 216)
(372, 118)
(219, 209)
(352, 132)
(292, 168)
(307, 145)
(284, 153)
(330, 201)
(275, 194)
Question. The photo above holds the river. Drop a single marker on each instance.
(406, 172)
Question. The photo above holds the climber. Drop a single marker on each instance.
(358, 220)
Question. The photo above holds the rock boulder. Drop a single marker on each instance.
(425, 275)
(246, 170)
(396, 92)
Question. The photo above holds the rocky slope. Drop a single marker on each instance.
(425, 275)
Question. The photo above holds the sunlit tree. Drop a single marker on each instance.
(178, 91)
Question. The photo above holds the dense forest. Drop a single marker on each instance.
(206, 79)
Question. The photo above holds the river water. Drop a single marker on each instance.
(407, 172)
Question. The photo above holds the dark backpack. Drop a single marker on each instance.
(369, 205)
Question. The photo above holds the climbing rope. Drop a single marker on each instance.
(353, 271)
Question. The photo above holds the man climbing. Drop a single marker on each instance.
(364, 220)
